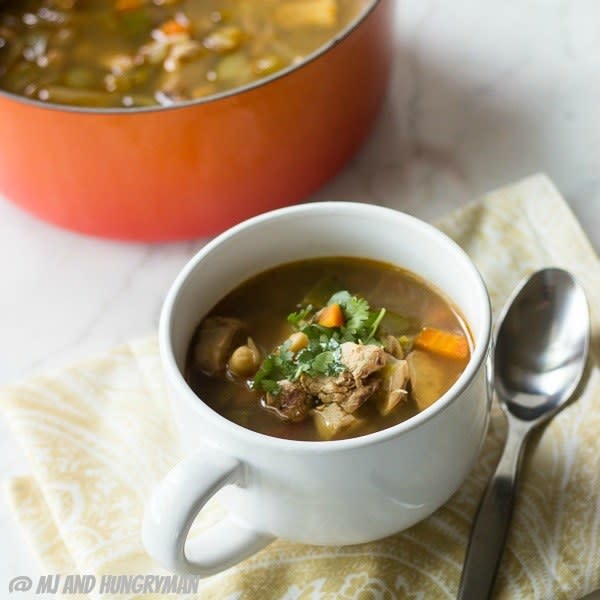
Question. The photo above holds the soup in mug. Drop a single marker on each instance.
(328, 348)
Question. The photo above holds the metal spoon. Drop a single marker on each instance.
(540, 354)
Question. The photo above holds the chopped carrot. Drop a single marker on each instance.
(444, 343)
(331, 316)
(121, 5)
(173, 27)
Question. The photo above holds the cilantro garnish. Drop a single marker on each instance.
(322, 363)
(322, 355)
(377, 322)
(361, 322)
(356, 311)
(297, 318)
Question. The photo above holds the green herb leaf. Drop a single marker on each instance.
(341, 298)
(322, 362)
(285, 355)
(376, 323)
(356, 311)
(296, 319)
(270, 386)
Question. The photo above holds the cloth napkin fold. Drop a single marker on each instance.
(100, 435)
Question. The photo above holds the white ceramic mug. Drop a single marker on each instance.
(336, 492)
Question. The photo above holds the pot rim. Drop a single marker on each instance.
(324, 49)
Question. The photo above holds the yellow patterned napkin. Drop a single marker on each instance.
(100, 435)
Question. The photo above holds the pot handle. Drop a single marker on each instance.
(174, 505)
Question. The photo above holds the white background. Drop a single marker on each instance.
(482, 94)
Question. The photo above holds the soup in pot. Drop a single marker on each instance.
(327, 348)
(132, 53)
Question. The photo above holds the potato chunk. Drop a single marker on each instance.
(426, 378)
(330, 420)
(303, 13)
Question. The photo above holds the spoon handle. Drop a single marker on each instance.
(492, 519)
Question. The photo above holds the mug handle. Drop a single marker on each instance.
(180, 496)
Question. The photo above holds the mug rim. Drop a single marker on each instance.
(176, 379)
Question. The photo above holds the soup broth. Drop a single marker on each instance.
(127, 53)
(409, 332)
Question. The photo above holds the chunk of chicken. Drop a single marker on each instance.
(352, 388)
(330, 420)
(215, 340)
(362, 360)
(395, 378)
(341, 389)
(292, 403)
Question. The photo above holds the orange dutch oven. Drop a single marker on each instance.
(196, 168)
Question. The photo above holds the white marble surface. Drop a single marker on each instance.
(482, 94)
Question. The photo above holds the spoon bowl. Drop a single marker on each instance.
(543, 336)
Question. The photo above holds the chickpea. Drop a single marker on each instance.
(297, 341)
(245, 360)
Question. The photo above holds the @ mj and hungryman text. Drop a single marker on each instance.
(104, 584)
